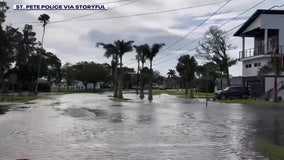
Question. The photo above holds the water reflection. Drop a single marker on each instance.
(3, 109)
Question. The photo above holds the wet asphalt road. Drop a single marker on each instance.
(91, 126)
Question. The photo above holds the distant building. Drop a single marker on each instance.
(267, 29)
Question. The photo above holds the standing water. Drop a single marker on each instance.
(91, 126)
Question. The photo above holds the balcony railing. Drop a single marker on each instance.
(260, 50)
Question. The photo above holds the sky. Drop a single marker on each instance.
(72, 34)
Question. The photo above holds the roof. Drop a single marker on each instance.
(256, 14)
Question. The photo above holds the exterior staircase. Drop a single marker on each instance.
(269, 94)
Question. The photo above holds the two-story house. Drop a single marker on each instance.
(266, 27)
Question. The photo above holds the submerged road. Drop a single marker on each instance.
(91, 126)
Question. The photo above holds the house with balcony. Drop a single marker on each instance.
(266, 27)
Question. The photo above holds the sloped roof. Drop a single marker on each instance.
(256, 14)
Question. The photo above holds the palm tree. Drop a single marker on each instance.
(274, 65)
(123, 47)
(186, 67)
(171, 73)
(150, 53)
(140, 57)
(44, 19)
(112, 50)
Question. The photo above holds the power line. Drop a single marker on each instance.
(182, 38)
(149, 13)
(270, 22)
(220, 26)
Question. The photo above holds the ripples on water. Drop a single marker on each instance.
(90, 126)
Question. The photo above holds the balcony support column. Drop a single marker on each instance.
(244, 47)
(265, 40)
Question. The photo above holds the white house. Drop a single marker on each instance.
(266, 27)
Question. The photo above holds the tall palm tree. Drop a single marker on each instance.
(44, 19)
(150, 53)
(112, 51)
(141, 57)
(139, 52)
(123, 47)
(274, 65)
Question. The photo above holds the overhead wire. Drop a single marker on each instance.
(270, 22)
(191, 42)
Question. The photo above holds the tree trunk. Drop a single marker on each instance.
(186, 86)
(120, 79)
(275, 97)
(2, 83)
(221, 83)
(228, 77)
(94, 89)
(191, 89)
(141, 85)
(150, 95)
(138, 75)
(59, 86)
(115, 81)
(86, 85)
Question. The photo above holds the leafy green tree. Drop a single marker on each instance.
(187, 68)
(9, 40)
(214, 47)
(206, 76)
(25, 64)
(150, 53)
(68, 73)
(90, 72)
(3, 9)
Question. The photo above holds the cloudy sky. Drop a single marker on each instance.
(72, 35)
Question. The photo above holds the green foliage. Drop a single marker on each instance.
(206, 76)
(44, 19)
(3, 5)
(270, 150)
(86, 72)
(171, 73)
(186, 67)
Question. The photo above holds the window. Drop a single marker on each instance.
(248, 65)
(257, 64)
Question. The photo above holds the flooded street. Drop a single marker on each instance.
(91, 126)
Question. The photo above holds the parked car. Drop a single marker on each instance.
(232, 92)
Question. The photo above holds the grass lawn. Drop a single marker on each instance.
(270, 150)
(70, 91)
(253, 102)
(18, 98)
(181, 93)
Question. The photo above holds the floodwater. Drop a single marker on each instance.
(91, 126)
